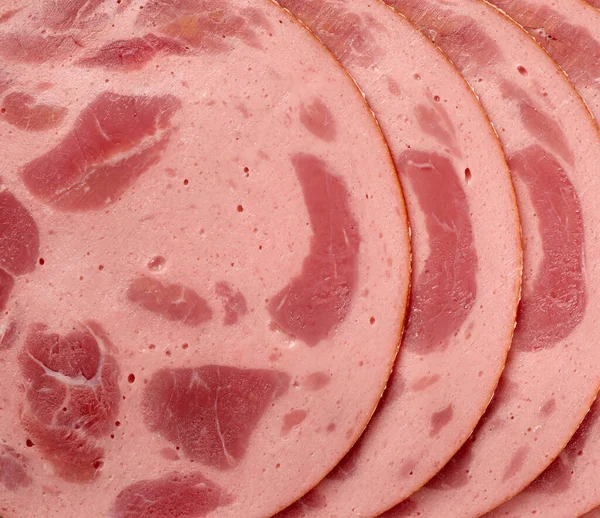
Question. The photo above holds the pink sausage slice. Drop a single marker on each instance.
(552, 145)
(569, 31)
(463, 252)
(204, 264)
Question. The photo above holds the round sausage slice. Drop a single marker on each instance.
(568, 485)
(552, 147)
(204, 260)
(466, 256)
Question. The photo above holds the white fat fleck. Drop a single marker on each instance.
(196, 380)
(4, 324)
(121, 156)
(100, 130)
(422, 165)
(81, 379)
(280, 305)
(230, 459)
(346, 240)
(67, 380)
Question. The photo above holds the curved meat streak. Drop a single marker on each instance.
(6, 285)
(442, 297)
(531, 416)
(319, 298)
(553, 302)
(453, 199)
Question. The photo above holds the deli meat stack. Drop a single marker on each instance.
(449, 362)
(299, 258)
(552, 146)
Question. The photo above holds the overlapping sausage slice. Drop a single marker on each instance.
(552, 147)
(570, 32)
(466, 257)
(204, 259)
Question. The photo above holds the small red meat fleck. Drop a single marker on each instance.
(549, 407)
(169, 454)
(435, 121)
(318, 119)
(174, 302)
(393, 86)
(7, 15)
(316, 380)
(425, 382)
(441, 419)
(24, 113)
(13, 474)
(234, 302)
(173, 496)
(292, 419)
(516, 463)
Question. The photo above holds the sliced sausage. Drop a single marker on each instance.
(466, 258)
(204, 248)
(551, 143)
(569, 32)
